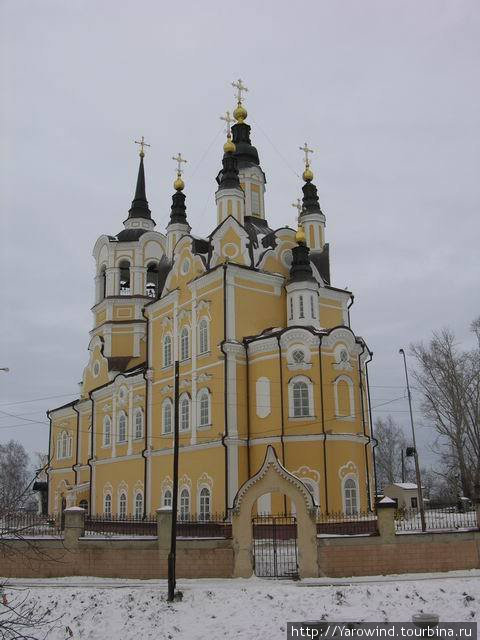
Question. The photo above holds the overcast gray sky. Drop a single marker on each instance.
(386, 92)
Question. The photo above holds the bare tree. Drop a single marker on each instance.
(449, 379)
(388, 452)
(15, 478)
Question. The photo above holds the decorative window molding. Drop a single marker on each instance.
(122, 503)
(167, 350)
(107, 504)
(64, 445)
(340, 413)
(107, 431)
(138, 424)
(203, 336)
(341, 358)
(167, 497)
(204, 503)
(184, 503)
(263, 399)
(138, 504)
(184, 343)
(299, 358)
(122, 427)
(167, 416)
(300, 397)
(184, 410)
(204, 408)
(350, 494)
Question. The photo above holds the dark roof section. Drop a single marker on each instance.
(301, 271)
(245, 152)
(178, 212)
(139, 208)
(228, 176)
(164, 267)
(321, 259)
(119, 363)
(130, 235)
(200, 245)
(310, 199)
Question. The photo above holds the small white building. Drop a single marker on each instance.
(406, 494)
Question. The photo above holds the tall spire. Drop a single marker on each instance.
(300, 268)
(139, 208)
(310, 196)
(178, 210)
(245, 153)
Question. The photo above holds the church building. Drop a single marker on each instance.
(266, 353)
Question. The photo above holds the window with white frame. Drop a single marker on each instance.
(184, 413)
(167, 416)
(138, 423)
(184, 344)
(350, 496)
(107, 504)
(138, 505)
(89, 436)
(184, 504)
(107, 431)
(122, 505)
(167, 350)
(64, 446)
(167, 498)
(203, 401)
(300, 397)
(122, 427)
(204, 503)
(203, 336)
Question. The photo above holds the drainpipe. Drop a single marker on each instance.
(372, 438)
(89, 458)
(75, 465)
(325, 477)
(147, 387)
(225, 383)
(352, 298)
(364, 428)
(245, 344)
(47, 470)
(282, 433)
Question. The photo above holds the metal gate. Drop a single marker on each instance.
(275, 546)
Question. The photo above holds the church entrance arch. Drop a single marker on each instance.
(287, 541)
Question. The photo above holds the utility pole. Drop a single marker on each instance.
(415, 452)
(173, 538)
(403, 467)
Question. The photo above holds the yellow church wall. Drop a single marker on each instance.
(90, 380)
(264, 365)
(123, 312)
(345, 458)
(58, 483)
(231, 246)
(122, 342)
(100, 317)
(330, 317)
(269, 308)
(118, 473)
(84, 437)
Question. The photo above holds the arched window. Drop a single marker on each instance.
(83, 504)
(122, 505)
(107, 431)
(184, 413)
(64, 446)
(167, 416)
(300, 399)
(350, 496)
(184, 504)
(302, 313)
(125, 278)
(344, 397)
(204, 504)
(122, 428)
(184, 344)
(203, 336)
(203, 400)
(152, 280)
(167, 498)
(138, 423)
(138, 505)
(107, 504)
(167, 350)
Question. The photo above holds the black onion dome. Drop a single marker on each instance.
(178, 212)
(228, 176)
(310, 199)
(301, 270)
(130, 235)
(245, 153)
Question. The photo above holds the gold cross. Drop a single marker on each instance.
(228, 119)
(142, 144)
(178, 159)
(299, 206)
(240, 87)
(306, 151)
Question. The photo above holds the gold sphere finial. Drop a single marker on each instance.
(307, 174)
(300, 237)
(179, 184)
(229, 146)
(240, 114)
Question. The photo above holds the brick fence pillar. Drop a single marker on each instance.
(74, 526)
(164, 527)
(386, 518)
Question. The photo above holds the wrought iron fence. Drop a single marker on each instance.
(347, 524)
(128, 525)
(436, 519)
(28, 525)
(214, 525)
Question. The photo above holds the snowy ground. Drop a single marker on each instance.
(93, 608)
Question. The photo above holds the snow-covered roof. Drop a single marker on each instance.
(405, 485)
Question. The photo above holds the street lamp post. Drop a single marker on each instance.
(417, 466)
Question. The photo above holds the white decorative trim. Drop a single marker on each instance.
(342, 334)
(271, 461)
(351, 398)
(262, 345)
(297, 335)
(349, 468)
(204, 481)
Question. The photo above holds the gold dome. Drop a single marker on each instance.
(179, 184)
(308, 174)
(240, 113)
(229, 146)
(300, 237)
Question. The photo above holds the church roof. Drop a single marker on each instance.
(130, 235)
(321, 259)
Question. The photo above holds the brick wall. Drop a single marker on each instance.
(407, 553)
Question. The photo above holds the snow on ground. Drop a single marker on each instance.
(242, 609)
